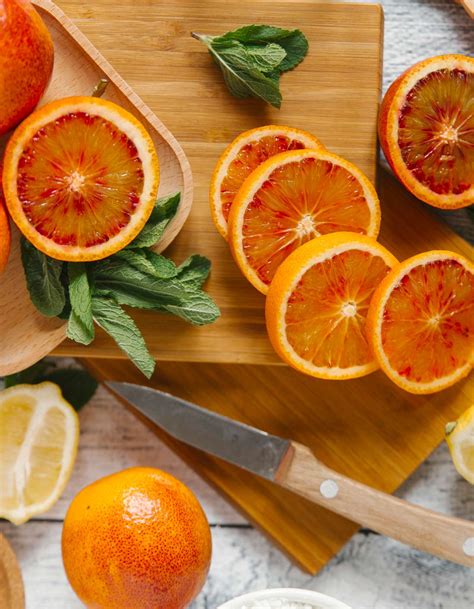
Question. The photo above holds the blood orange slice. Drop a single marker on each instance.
(292, 198)
(4, 235)
(80, 178)
(421, 322)
(426, 130)
(245, 154)
(317, 305)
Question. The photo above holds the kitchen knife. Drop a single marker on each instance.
(294, 466)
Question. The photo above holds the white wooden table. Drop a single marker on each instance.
(371, 572)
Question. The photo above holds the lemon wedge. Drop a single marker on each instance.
(39, 435)
(460, 439)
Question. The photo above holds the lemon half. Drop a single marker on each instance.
(460, 439)
(39, 435)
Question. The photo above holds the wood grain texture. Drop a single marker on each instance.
(423, 529)
(372, 432)
(78, 67)
(12, 594)
(334, 93)
(469, 6)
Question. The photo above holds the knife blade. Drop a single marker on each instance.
(294, 466)
(237, 443)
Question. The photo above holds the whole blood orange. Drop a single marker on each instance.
(426, 130)
(80, 178)
(137, 539)
(292, 198)
(318, 301)
(421, 321)
(249, 150)
(26, 61)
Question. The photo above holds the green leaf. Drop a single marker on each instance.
(29, 375)
(77, 385)
(133, 287)
(240, 75)
(43, 278)
(296, 47)
(163, 212)
(81, 324)
(111, 318)
(149, 262)
(199, 309)
(266, 58)
(194, 271)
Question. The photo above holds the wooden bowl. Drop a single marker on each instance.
(12, 595)
(25, 335)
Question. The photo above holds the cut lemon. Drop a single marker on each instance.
(293, 198)
(421, 322)
(460, 439)
(80, 178)
(249, 150)
(39, 434)
(317, 305)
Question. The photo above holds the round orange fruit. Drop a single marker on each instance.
(137, 539)
(292, 198)
(5, 238)
(426, 130)
(80, 178)
(26, 61)
(317, 305)
(421, 322)
(249, 150)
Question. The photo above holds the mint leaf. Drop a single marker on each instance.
(199, 309)
(43, 278)
(194, 271)
(77, 385)
(164, 211)
(111, 318)
(266, 58)
(296, 47)
(81, 324)
(256, 34)
(242, 78)
(133, 287)
(149, 262)
(29, 375)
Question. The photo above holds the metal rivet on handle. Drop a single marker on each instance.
(468, 546)
(329, 489)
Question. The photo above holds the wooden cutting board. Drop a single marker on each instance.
(334, 94)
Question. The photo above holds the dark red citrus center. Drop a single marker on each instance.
(436, 131)
(300, 201)
(428, 321)
(248, 158)
(326, 312)
(79, 180)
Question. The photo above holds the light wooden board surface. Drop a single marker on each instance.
(371, 572)
(334, 94)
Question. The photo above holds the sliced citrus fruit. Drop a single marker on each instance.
(5, 237)
(317, 305)
(249, 150)
(421, 322)
(39, 434)
(426, 130)
(292, 198)
(460, 439)
(80, 178)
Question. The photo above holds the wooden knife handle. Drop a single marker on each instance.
(443, 536)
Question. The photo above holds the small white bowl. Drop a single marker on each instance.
(294, 595)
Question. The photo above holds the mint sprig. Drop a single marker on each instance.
(84, 293)
(252, 59)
